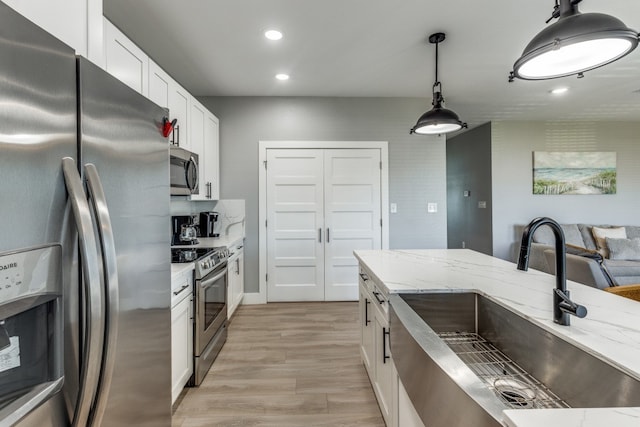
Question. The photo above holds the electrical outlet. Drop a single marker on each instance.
(432, 207)
(482, 205)
(394, 208)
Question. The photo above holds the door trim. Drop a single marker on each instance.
(261, 296)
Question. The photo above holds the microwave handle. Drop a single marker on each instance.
(192, 175)
(91, 354)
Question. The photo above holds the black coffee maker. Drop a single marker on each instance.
(184, 231)
(209, 224)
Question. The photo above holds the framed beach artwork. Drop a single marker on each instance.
(574, 172)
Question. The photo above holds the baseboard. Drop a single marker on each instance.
(252, 298)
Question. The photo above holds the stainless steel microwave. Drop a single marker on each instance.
(183, 169)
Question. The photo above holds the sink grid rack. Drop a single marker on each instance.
(513, 385)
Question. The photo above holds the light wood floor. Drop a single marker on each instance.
(285, 365)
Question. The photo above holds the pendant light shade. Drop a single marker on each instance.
(438, 120)
(574, 44)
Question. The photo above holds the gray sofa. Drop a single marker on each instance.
(579, 268)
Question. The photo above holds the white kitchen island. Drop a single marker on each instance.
(611, 330)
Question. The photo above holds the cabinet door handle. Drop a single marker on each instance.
(364, 277)
(178, 292)
(319, 235)
(375, 294)
(386, 336)
(328, 239)
(208, 190)
(178, 130)
(366, 311)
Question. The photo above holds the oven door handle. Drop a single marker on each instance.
(207, 283)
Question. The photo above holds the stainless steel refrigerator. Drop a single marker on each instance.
(85, 327)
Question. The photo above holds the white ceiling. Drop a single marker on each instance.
(378, 48)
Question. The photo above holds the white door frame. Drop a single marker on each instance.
(260, 297)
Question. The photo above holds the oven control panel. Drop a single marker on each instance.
(211, 260)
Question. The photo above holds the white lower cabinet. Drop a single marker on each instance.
(366, 330)
(374, 347)
(407, 415)
(181, 333)
(235, 287)
(384, 366)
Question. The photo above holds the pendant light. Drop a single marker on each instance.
(438, 120)
(576, 43)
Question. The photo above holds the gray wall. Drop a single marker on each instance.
(416, 163)
(511, 156)
(469, 169)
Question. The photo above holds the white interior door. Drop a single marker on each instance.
(295, 256)
(352, 216)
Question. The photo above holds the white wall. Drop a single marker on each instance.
(513, 202)
(416, 163)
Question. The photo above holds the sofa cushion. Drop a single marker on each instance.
(587, 236)
(620, 249)
(633, 231)
(600, 235)
(622, 268)
(572, 235)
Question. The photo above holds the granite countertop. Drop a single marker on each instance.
(178, 269)
(611, 329)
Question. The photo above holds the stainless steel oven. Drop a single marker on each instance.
(210, 329)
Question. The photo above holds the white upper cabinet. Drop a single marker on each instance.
(78, 23)
(196, 127)
(179, 106)
(166, 92)
(159, 85)
(211, 183)
(197, 115)
(203, 136)
(125, 60)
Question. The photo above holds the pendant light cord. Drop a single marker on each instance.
(437, 93)
(436, 64)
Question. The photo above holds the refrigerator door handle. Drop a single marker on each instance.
(93, 332)
(110, 271)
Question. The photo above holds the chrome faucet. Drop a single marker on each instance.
(562, 305)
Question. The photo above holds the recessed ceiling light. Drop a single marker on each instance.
(273, 34)
(559, 90)
(282, 76)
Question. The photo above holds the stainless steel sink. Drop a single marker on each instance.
(464, 358)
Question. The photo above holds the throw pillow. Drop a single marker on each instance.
(600, 235)
(627, 249)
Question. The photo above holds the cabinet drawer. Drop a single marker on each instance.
(378, 296)
(181, 287)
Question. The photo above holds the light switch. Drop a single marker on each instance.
(466, 193)
(394, 208)
(432, 207)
